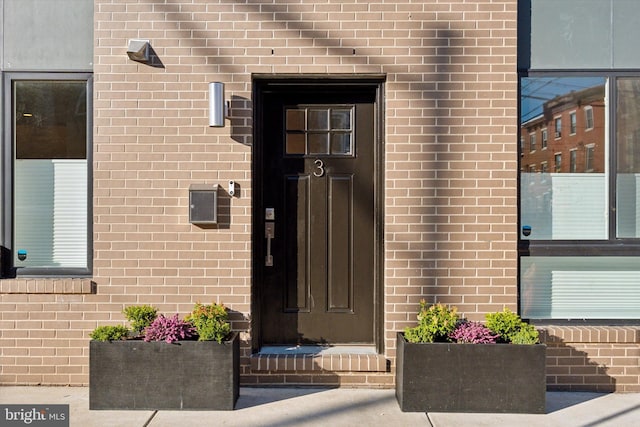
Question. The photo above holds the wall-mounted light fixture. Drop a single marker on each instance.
(218, 107)
(138, 50)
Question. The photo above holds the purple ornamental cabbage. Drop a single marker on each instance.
(169, 329)
(473, 333)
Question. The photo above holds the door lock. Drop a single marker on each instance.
(269, 234)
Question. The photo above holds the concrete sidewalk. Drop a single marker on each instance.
(282, 407)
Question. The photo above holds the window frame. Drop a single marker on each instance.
(589, 157)
(8, 269)
(557, 165)
(532, 142)
(588, 118)
(329, 131)
(573, 160)
(613, 245)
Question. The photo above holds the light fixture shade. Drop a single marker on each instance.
(216, 104)
(138, 50)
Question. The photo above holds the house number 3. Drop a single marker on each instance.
(320, 168)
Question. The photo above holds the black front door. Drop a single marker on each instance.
(317, 216)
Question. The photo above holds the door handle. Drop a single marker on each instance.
(269, 234)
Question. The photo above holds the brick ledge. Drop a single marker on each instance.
(47, 286)
(589, 334)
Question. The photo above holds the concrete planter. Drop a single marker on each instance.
(196, 375)
(447, 377)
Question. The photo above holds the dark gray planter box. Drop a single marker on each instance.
(447, 377)
(195, 375)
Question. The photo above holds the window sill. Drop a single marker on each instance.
(614, 334)
(47, 286)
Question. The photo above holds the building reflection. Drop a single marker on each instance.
(569, 135)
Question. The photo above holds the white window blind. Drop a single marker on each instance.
(580, 287)
(564, 206)
(51, 213)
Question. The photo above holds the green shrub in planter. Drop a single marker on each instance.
(109, 333)
(210, 321)
(140, 316)
(511, 328)
(435, 323)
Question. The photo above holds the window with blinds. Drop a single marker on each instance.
(580, 222)
(50, 213)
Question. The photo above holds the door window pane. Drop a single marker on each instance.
(628, 162)
(318, 119)
(571, 202)
(340, 119)
(296, 119)
(341, 143)
(295, 143)
(318, 143)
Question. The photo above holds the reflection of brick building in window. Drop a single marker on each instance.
(628, 127)
(581, 138)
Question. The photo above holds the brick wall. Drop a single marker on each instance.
(593, 358)
(450, 162)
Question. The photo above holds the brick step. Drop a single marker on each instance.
(306, 359)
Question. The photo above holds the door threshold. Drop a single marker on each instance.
(319, 350)
(318, 358)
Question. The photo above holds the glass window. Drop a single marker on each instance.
(296, 120)
(318, 119)
(578, 258)
(574, 287)
(341, 143)
(544, 139)
(295, 143)
(573, 161)
(318, 143)
(558, 126)
(589, 157)
(572, 201)
(50, 188)
(628, 158)
(588, 117)
(341, 119)
(319, 130)
(532, 142)
(573, 123)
